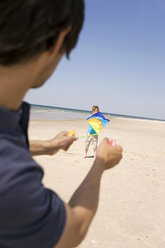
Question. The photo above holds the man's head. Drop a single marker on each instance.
(30, 28)
(95, 109)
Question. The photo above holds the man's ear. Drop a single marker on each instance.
(59, 43)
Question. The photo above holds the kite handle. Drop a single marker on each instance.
(112, 142)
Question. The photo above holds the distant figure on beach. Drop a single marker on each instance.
(34, 36)
(97, 122)
(92, 137)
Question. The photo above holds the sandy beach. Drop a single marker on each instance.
(131, 212)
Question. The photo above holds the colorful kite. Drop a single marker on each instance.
(96, 123)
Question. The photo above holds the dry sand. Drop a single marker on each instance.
(131, 211)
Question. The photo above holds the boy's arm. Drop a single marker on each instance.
(84, 202)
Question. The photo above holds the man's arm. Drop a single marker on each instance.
(84, 202)
(52, 146)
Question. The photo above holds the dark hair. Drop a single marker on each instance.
(30, 27)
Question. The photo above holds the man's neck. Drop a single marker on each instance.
(14, 83)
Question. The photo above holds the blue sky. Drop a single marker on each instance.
(118, 64)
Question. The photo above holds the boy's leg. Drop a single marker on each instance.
(95, 142)
(86, 152)
(87, 143)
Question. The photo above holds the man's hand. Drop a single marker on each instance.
(108, 154)
(61, 141)
(52, 146)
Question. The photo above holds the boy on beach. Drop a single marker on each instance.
(93, 139)
(34, 36)
(96, 123)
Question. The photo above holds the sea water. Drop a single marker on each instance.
(42, 112)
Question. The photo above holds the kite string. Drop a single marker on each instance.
(87, 136)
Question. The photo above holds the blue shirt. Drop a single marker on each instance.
(31, 216)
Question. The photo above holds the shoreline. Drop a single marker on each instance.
(110, 117)
(88, 112)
